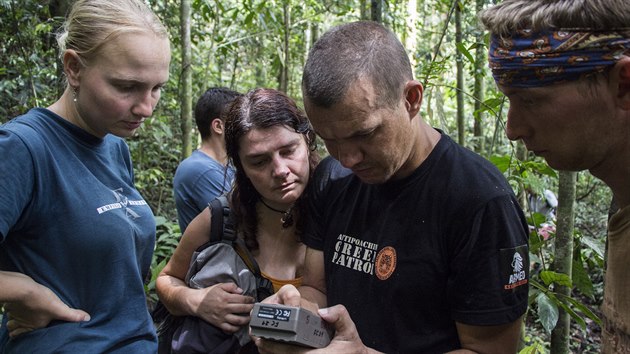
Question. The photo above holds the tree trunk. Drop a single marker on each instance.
(377, 11)
(260, 69)
(409, 36)
(461, 128)
(59, 9)
(478, 90)
(521, 154)
(563, 256)
(186, 80)
(283, 80)
(364, 10)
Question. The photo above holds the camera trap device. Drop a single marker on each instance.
(294, 325)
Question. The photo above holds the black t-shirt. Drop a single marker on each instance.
(410, 257)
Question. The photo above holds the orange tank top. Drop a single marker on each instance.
(278, 283)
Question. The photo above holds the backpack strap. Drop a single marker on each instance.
(246, 255)
(220, 212)
(222, 228)
(264, 286)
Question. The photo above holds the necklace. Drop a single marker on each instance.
(287, 216)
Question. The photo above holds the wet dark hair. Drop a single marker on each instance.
(259, 109)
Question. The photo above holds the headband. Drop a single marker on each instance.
(534, 59)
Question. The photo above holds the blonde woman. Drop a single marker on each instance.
(76, 237)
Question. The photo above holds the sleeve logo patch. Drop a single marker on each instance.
(514, 266)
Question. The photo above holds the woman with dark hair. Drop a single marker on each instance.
(271, 144)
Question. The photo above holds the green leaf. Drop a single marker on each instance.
(531, 349)
(494, 103)
(462, 49)
(540, 167)
(582, 308)
(478, 45)
(280, 55)
(547, 311)
(595, 245)
(549, 277)
(501, 162)
(581, 280)
(536, 220)
(160, 220)
(249, 18)
(577, 318)
(533, 294)
(535, 242)
(155, 271)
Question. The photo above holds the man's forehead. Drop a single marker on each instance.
(342, 126)
(510, 90)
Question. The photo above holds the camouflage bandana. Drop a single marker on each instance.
(534, 59)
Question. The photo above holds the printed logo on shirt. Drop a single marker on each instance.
(385, 263)
(514, 266)
(122, 202)
(355, 254)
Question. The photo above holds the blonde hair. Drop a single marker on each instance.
(538, 15)
(92, 23)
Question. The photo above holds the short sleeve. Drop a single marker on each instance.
(211, 184)
(328, 177)
(312, 236)
(16, 180)
(490, 268)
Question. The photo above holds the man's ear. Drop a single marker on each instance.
(217, 126)
(413, 97)
(621, 72)
(72, 67)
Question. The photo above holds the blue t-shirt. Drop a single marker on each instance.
(198, 180)
(71, 219)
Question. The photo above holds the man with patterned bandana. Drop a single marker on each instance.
(565, 67)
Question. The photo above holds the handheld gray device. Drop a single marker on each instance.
(294, 325)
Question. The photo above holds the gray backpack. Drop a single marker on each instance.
(223, 259)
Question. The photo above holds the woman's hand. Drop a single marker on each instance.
(37, 308)
(223, 306)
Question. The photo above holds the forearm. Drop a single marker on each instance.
(314, 295)
(497, 339)
(179, 299)
(15, 287)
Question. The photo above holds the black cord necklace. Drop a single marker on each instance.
(287, 216)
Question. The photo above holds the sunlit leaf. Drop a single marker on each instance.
(501, 162)
(531, 349)
(547, 312)
(593, 244)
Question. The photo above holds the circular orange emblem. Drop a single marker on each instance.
(385, 262)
